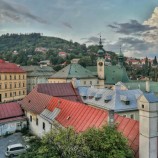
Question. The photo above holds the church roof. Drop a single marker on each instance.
(73, 71)
(115, 73)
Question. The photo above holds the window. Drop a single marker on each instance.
(37, 121)
(97, 82)
(10, 77)
(124, 115)
(0, 86)
(23, 92)
(19, 77)
(14, 77)
(19, 92)
(5, 86)
(14, 85)
(19, 84)
(23, 77)
(5, 77)
(0, 77)
(14, 93)
(43, 126)
(10, 85)
(142, 106)
(84, 82)
(30, 118)
(90, 82)
(132, 116)
(23, 84)
(5, 95)
(10, 94)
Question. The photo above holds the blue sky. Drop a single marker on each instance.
(129, 23)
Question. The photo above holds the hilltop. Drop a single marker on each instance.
(30, 49)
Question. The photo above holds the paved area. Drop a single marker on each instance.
(11, 139)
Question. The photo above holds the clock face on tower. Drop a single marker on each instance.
(100, 64)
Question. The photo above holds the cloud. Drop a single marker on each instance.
(132, 27)
(14, 12)
(93, 40)
(68, 25)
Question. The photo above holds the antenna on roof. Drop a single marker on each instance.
(59, 101)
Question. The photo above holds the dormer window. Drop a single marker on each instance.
(107, 99)
(84, 97)
(125, 99)
(98, 96)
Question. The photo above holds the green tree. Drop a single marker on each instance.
(106, 142)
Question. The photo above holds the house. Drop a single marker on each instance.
(133, 61)
(41, 49)
(62, 54)
(60, 113)
(11, 118)
(44, 63)
(12, 82)
(37, 74)
(123, 102)
(71, 71)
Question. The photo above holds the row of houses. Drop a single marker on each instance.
(59, 105)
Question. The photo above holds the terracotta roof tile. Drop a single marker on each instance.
(9, 67)
(82, 117)
(10, 110)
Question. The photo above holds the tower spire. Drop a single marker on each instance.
(120, 57)
(101, 50)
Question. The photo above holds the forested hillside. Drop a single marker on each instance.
(30, 49)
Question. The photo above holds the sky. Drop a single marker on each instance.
(129, 24)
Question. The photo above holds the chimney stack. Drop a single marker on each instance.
(111, 118)
(147, 86)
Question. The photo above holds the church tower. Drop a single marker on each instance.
(120, 58)
(100, 61)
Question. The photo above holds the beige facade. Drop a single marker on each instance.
(12, 86)
(130, 114)
(82, 81)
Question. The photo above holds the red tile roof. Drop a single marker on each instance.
(62, 90)
(13, 119)
(35, 101)
(9, 67)
(82, 117)
(10, 110)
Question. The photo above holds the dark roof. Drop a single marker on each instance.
(32, 71)
(82, 117)
(9, 67)
(41, 95)
(10, 110)
(62, 90)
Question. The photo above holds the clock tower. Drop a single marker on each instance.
(100, 61)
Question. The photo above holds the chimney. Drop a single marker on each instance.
(75, 82)
(147, 86)
(148, 125)
(111, 118)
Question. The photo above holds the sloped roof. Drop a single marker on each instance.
(35, 102)
(10, 67)
(115, 73)
(10, 110)
(62, 90)
(82, 117)
(73, 70)
(134, 84)
(45, 91)
(38, 71)
(151, 97)
(115, 102)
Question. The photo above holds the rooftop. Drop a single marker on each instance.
(73, 70)
(10, 67)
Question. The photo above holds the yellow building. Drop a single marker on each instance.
(12, 82)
